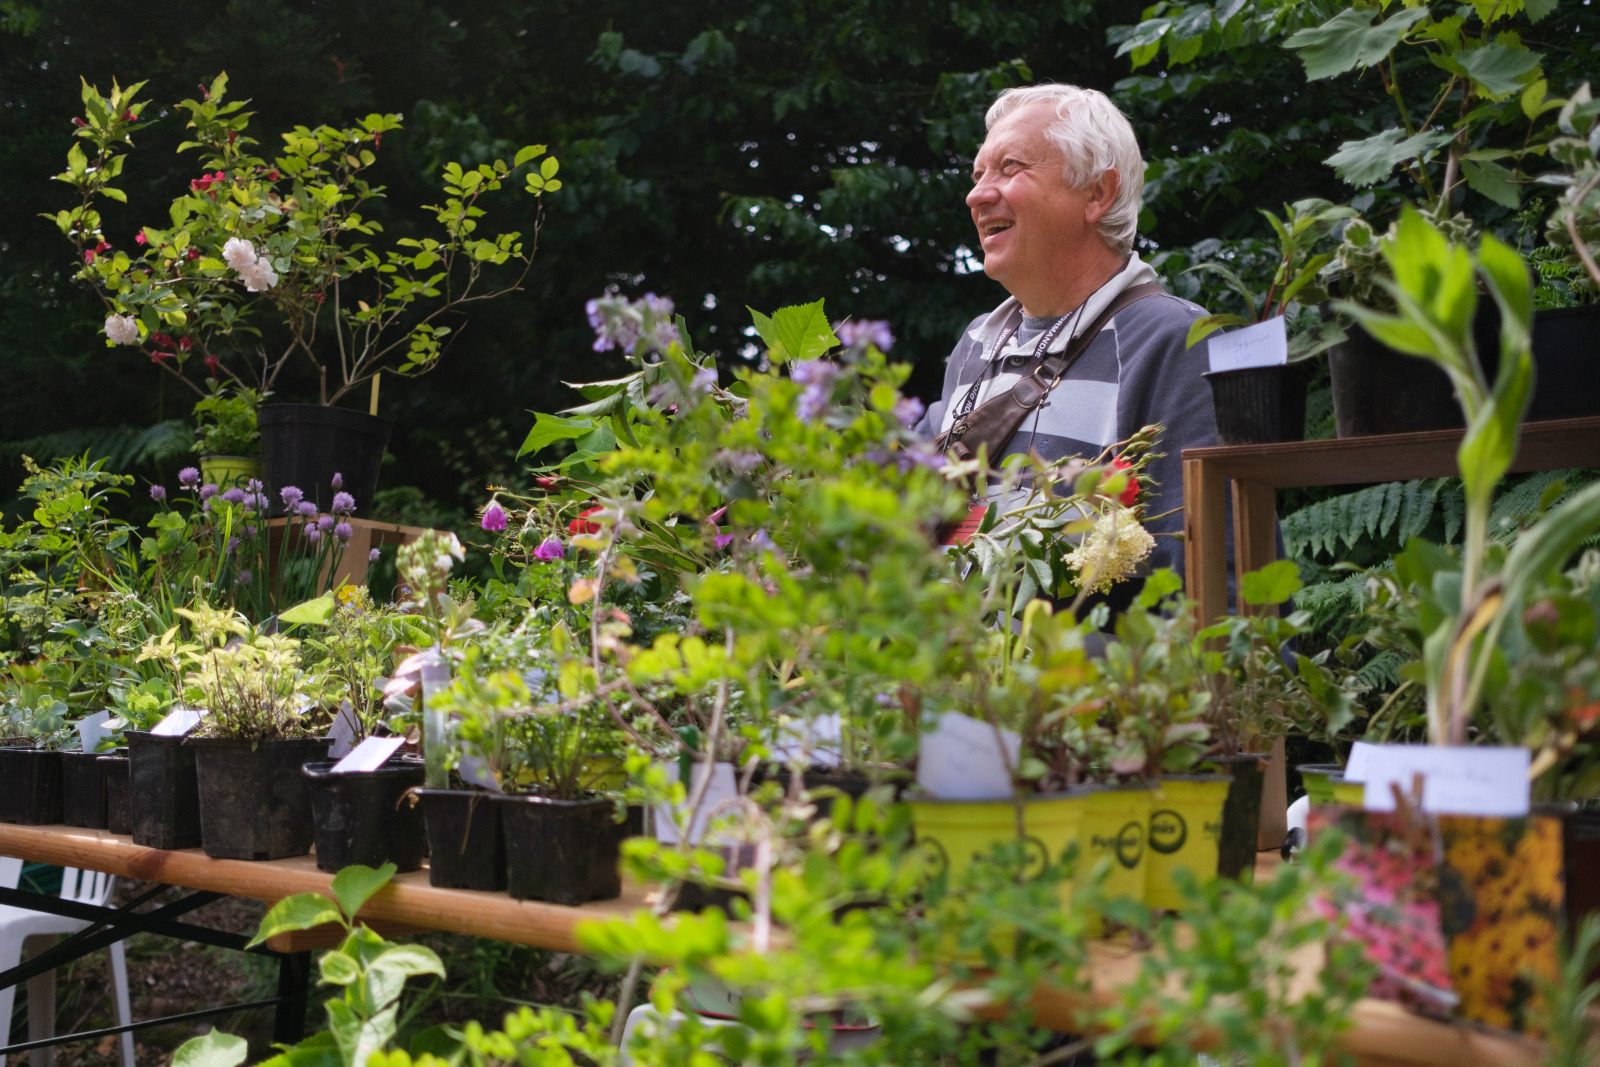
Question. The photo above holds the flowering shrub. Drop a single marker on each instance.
(272, 260)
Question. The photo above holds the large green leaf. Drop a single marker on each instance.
(1499, 69)
(315, 612)
(354, 885)
(1349, 39)
(213, 1049)
(548, 429)
(1493, 181)
(1546, 546)
(1374, 158)
(299, 912)
(1273, 584)
(796, 333)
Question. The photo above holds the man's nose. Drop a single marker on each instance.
(981, 193)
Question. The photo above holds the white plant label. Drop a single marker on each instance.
(818, 741)
(1263, 345)
(369, 755)
(961, 759)
(92, 730)
(475, 770)
(178, 722)
(1457, 780)
(1355, 770)
(344, 731)
(724, 787)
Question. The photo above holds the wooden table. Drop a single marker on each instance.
(365, 535)
(1384, 1034)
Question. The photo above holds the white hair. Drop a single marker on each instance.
(1093, 137)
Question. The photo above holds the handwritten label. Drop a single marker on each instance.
(1263, 345)
(961, 759)
(1460, 780)
(369, 755)
(724, 787)
(178, 722)
(92, 730)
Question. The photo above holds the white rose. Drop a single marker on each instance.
(239, 253)
(259, 275)
(122, 330)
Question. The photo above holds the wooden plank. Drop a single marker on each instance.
(1255, 534)
(1205, 546)
(330, 934)
(365, 535)
(1397, 457)
(1274, 824)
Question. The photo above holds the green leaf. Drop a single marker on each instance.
(1273, 584)
(532, 151)
(548, 429)
(214, 1049)
(1372, 159)
(338, 969)
(316, 612)
(1499, 69)
(1349, 39)
(299, 912)
(355, 884)
(1493, 181)
(1202, 328)
(796, 333)
(409, 961)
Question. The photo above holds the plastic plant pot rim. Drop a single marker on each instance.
(539, 798)
(394, 766)
(1031, 798)
(1156, 783)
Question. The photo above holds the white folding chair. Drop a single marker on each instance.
(19, 924)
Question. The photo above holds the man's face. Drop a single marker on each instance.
(1030, 223)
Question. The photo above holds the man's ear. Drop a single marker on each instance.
(1102, 195)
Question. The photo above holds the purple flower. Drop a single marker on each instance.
(247, 530)
(233, 543)
(291, 497)
(306, 509)
(189, 477)
(374, 556)
(207, 491)
(234, 495)
(760, 540)
(863, 332)
(344, 503)
(244, 578)
(494, 517)
(313, 534)
(338, 480)
(908, 409)
(343, 531)
(722, 540)
(325, 523)
(704, 380)
(253, 486)
(549, 549)
(813, 372)
(257, 501)
(615, 322)
(158, 493)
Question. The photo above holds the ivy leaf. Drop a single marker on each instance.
(1371, 160)
(1497, 68)
(1493, 181)
(796, 333)
(1349, 39)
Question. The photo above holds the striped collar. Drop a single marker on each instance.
(1136, 272)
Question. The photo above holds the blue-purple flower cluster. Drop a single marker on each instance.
(818, 376)
(622, 323)
(859, 334)
(316, 526)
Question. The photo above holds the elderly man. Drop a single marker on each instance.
(1055, 199)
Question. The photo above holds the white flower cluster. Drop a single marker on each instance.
(122, 330)
(255, 271)
(1111, 551)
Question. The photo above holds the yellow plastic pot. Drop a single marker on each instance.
(1114, 829)
(606, 772)
(1185, 832)
(1353, 794)
(227, 472)
(1314, 776)
(952, 833)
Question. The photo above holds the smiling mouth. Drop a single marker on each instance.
(989, 229)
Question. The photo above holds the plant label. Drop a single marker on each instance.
(344, 731)
(369, 755)
(724, 787)
(476, 771)
(1457, 780)
(1265, 344)
(178, 722)
(962, 759)
(92, 730)
(817, 742)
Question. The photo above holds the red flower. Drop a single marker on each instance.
(184, 344)
(194, 253)
(1130, 493)
(78, 122)
(161, 340)
(272, 175)
(210, 362)
(581, 525)
(90, 253)
(547, 483)
(206, 182)
(128, 116)
(140, 239)
(158, 356)
(319, 297)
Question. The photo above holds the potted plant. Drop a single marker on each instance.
(228, 441)
(35, 727)
(270, 264)
(361, 816)
(135, 706)
(1265, 404)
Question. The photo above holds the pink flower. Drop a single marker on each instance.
(140, 239)
(550, 549)
(206, 182)
(90, 253)
(494, 517)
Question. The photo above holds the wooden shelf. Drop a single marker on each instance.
(1384, 1035)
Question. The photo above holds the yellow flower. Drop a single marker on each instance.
(1111, 551)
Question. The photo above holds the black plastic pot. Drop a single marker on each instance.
(254, 802)
(30, 786)
(1566, 349)
(304, 445)
(1241, 814)
(164, 794)
(365, 816)
(119, 814)
(83, 790)
(1260, 405)
(466, 846)
(1377, 390)
(562, 851)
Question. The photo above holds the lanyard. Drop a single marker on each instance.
(970, 400)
